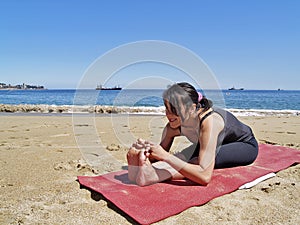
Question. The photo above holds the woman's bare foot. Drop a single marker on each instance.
(133, 163)
(146, 174)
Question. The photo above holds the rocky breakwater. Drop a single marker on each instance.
(27, 108)
(33, 108)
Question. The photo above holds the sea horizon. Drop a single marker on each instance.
(144, 101)
(212, 89)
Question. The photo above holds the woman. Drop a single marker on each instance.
(220, 141)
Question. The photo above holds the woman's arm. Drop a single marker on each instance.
(168, 137)
(191, 171)
(202, 171)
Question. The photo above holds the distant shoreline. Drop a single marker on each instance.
(143, 89)
(17, 89)
(23, 86)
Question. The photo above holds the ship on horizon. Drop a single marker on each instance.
(235, 89)
(101, 87)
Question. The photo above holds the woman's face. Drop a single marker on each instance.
(174, 120)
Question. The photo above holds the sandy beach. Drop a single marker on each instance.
(41, 156)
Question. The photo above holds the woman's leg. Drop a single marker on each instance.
(190, 152)
(153, 173)
(133, 163)
(140, 168)
(236, 154)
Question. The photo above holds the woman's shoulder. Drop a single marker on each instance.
(223, 113)
(210, 117)
(220, 110)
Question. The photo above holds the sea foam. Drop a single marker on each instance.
(102, 109)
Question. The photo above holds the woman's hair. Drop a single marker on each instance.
(181, 96)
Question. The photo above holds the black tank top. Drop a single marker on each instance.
(234, 130)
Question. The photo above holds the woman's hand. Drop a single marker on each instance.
(158, 153)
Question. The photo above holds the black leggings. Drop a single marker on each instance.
(229, 155)
(236, 154)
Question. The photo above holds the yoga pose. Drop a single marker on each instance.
(219, 140)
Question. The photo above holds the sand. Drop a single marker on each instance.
(41, 157)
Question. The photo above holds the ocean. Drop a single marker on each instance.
(253, 101)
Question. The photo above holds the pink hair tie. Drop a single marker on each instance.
(200, 96)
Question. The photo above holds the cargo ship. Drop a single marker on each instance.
(234, 89)
(101, 87)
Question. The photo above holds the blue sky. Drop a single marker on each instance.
(250, 44)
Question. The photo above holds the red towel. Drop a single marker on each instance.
(156, 202)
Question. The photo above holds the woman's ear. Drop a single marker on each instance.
(194, 107)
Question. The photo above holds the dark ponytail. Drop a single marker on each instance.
(205, 103)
